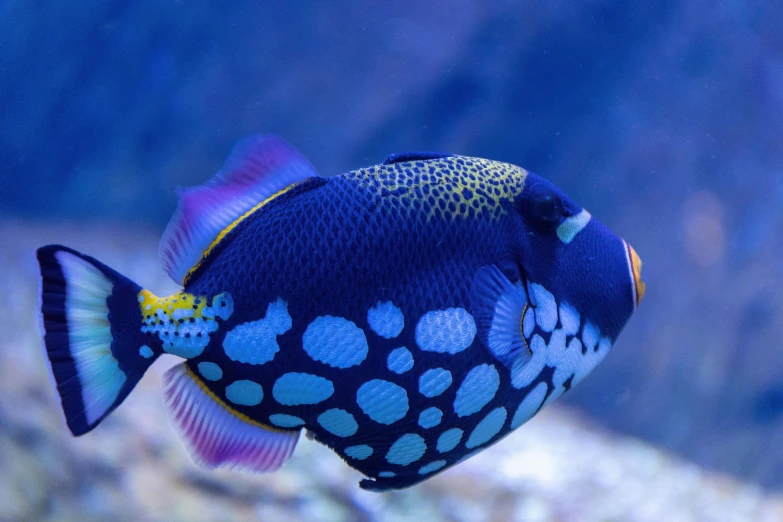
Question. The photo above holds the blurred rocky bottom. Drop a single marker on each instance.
(558, 467)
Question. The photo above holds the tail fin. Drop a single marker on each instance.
(91, 321)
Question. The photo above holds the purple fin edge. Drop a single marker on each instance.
(257, 168)
(217, 437)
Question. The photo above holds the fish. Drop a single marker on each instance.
(407, 315)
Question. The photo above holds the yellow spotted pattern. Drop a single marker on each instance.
(186, 303)
(449, 187)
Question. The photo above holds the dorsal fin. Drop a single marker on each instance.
(401, 157)
(257, 168)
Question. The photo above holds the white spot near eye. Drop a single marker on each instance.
(570, 227)
(446, 331)
(386, 320)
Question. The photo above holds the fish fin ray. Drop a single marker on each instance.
(215, 435)
(91, 348)
(498, 308)
(257, 168)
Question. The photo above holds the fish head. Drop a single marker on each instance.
(566, 252)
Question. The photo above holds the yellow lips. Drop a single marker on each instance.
(635, 264)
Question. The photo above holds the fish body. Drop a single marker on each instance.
(407, 315)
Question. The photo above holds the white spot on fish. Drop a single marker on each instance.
(383, 401)
(445, 331)
(338, 422)
(210, 371)
(590, 336)
(293, 389)
(407, 449)
(359, 452)
(245, 393)
(449, 439)
(525, 372)
(591, 359)
(255, 342)
(479, 387)
(188, 338)
(546, 308)
(569, 318)
(400, 360)
(181, 313)
(222, 306)
(430, 417)
(386, 319)
(146, 352)
(529, 323)
(335, 341)
(285, 421)
(529, 405)
(571, 226)
(487, 428)
(434, 382)
(431, 467)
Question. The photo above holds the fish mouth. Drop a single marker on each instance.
(639, 284)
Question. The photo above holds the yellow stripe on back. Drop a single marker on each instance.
(231, 227)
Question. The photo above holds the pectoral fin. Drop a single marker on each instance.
(499, 308)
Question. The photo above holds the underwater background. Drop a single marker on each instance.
(664, 119)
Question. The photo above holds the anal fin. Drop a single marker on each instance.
(217, 436)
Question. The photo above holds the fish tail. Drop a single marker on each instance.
(91, 327)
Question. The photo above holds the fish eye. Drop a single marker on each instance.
(545, 209)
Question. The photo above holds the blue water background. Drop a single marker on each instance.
(664, 119)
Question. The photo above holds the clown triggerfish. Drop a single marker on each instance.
(407, 315)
